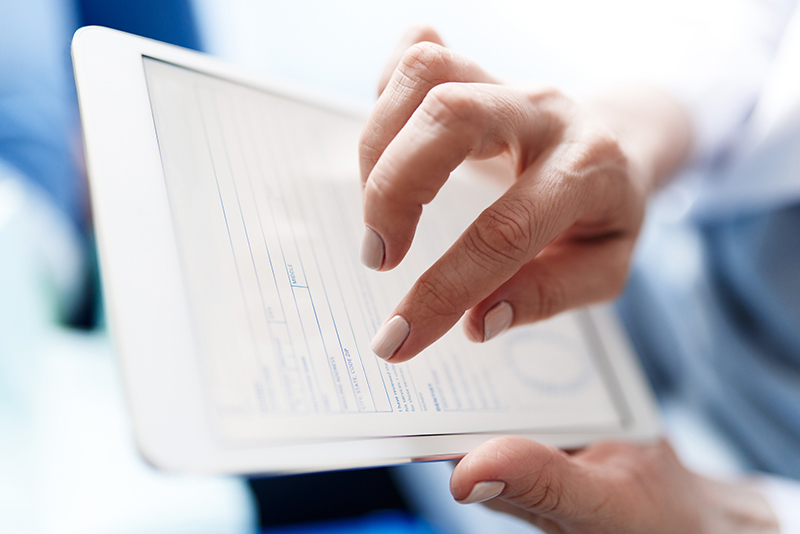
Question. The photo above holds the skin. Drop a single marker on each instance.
(563, 233)
(561, 236)
(612, 487)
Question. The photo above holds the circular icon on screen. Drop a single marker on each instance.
(548, 362)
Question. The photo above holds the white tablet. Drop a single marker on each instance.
(228, 217)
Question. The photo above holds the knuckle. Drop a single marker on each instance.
(595, 167)
(425, 63)
(597, 153)
(602, 145)
(382, 184)
(545, 493)
(555, 109)
(368, 151)
(377, 190)
(546, 94)
(501, 234)
(451, 102)
(440, 295)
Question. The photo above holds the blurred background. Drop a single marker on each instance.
(67, 458)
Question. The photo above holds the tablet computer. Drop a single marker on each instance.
(228, 219)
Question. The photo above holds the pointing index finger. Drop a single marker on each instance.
(506, 236)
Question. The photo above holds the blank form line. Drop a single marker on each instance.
(222, 205)
(286, 266)
(327, 298)
(340, 395)
(321, 148)
(282, 378)
(260, 222)
(355, 282)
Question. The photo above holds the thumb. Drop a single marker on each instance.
(537, 478)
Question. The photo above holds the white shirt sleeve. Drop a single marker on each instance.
(732, 55)
(783, 495)
(761, 168)
(738, 59)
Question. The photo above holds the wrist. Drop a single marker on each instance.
(653, 129)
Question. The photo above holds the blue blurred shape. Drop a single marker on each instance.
(389, 522)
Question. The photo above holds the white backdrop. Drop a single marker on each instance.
(578, 45)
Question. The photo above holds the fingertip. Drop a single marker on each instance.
(423, 331)
(373, 250)
(505, 458)
(390, 337)
(459, 485)
(422, 31)
(475, 469)
(482, 491)
(497, 320)
(538, 478)
(428, 324)
(390, 215)
(481, 326)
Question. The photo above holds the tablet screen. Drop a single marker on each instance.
(265, 201)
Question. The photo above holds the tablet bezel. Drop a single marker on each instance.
(145, 297)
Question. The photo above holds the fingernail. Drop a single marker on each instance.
(372, 249)
(497, 320)
(390, 336)
(483, 491)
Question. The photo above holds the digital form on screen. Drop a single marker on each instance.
(265, 200)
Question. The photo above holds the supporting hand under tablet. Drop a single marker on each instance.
(607, 487)
(562, 234)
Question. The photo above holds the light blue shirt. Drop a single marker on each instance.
(713, 304)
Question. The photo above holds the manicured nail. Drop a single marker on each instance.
(483, 491)
(390, 336)
(497, 320)
(372, 250)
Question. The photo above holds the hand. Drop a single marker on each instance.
(563, 233)
(609, 487)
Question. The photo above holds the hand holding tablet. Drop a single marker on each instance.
(228, 216)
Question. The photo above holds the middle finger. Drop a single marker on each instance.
(424, 66)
